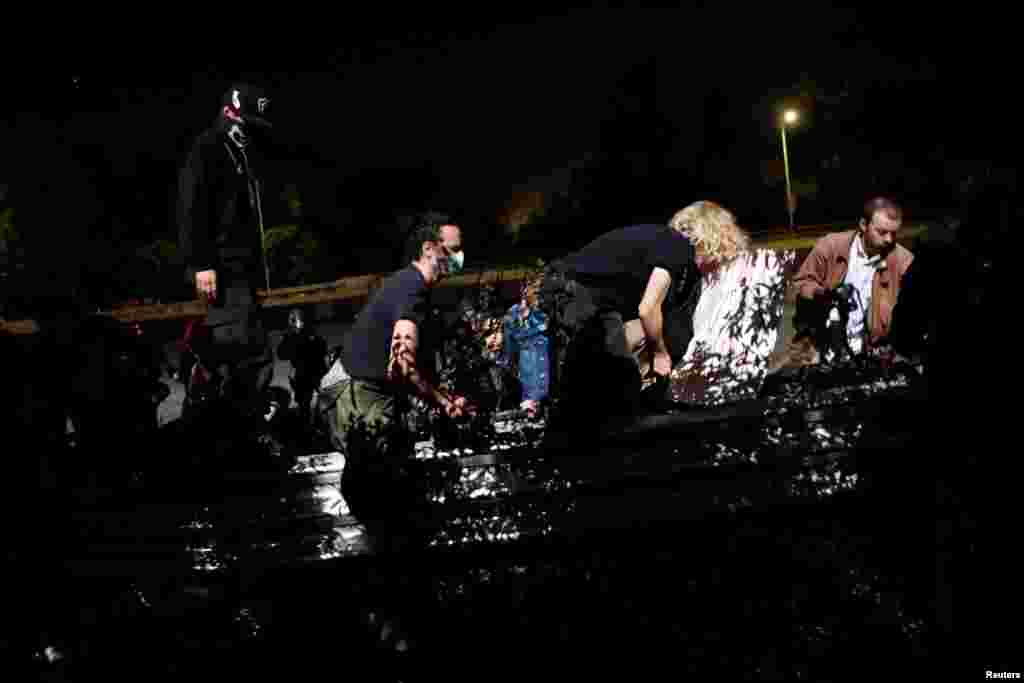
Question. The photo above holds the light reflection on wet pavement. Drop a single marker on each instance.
(514, 492)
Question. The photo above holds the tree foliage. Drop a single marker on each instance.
(8, 233)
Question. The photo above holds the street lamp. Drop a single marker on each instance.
(789, 117)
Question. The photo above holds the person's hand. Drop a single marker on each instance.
(662, 363)
(844, 296)
(206, 284)
(458, 406)
(531, 407)
(400, 362)
(885, 355)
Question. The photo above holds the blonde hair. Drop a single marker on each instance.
(712, 228)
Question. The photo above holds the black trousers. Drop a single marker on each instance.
(241, 352)
(594, 371)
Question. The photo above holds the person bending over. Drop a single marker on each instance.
(610, 302)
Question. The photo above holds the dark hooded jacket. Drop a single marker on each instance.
(218, 210)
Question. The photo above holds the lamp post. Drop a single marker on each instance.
(788, 118)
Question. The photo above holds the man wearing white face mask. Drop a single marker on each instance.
(451, 257)
(386, 364)
(444, 315)
(448, 258)
(381, 373)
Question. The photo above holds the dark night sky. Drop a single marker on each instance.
(467, 91)
(100, 120)
(373, 76)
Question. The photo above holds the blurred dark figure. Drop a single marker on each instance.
(926, 290)
(193, 371)
(44, 376)
(307, 352)
(950, 295)
(114, 396)
(102, 378)
(46, 473)
(979, 399)
(957, 303)
(470, 360)
(989, 216)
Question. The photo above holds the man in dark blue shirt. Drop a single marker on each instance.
(632, 292)
(386, 360)
(380, 355)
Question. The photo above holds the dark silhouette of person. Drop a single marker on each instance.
(307, 352)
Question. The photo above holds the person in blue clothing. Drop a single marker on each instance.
(525, 347)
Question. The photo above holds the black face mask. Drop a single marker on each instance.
(251, 108)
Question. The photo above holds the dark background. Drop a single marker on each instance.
(602, 116)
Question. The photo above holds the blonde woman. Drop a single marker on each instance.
(717, 240)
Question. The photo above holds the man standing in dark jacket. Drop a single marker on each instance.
(220, 234)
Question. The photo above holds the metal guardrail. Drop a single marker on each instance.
(362, 285)
(339, 290)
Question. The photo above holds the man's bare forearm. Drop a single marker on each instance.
(653, 323)
(650, 308)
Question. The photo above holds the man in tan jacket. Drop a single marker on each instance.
(862, 268)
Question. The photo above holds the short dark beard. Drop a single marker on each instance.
(882, 252)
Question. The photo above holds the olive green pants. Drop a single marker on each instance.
(381, 482)
(363, 417)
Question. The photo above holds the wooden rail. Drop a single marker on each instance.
(361, 285)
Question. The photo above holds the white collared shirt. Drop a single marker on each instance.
(860, 273)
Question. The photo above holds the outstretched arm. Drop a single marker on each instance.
(402, 367)
(652, 321)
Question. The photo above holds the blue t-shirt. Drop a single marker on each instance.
(402, 295)
(617, 265)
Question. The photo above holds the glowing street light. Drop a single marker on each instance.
(789, 117)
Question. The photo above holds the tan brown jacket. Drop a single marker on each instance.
(825, 268)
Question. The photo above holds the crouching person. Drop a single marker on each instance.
(366, 410)
(384, 358)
